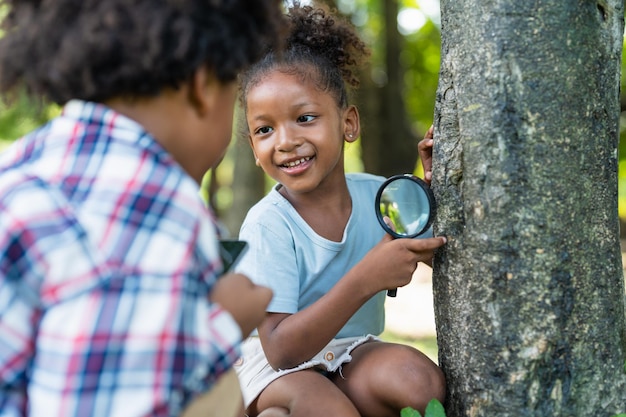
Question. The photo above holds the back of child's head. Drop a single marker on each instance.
(320, 48)
(98, 49)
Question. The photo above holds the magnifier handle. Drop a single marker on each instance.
(392, 293)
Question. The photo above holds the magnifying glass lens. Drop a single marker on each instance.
(405, 206)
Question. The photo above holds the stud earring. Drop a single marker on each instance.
(257, 162)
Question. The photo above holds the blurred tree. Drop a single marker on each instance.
(389, 143)
(248, 183)
(529, 291)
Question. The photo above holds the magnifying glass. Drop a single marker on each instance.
(405, 207)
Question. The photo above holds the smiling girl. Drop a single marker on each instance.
(315, 241)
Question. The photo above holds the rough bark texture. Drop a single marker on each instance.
(529, 292)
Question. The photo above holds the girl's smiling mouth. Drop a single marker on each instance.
(297, 166)
(296, 163)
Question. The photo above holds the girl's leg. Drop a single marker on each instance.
(303, 394)
(383, 378)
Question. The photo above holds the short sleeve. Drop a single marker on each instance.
(270, 261)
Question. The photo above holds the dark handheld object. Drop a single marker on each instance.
(405, 208)
(230, 251)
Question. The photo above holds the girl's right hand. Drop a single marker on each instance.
(392, 262)
(243, 299)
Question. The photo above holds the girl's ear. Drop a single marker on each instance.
(351, 124)
(256, 158)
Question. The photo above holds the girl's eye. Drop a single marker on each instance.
(263, 130)
(306, 118)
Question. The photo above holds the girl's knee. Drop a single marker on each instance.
(390, 377)
(410, 378)
(304, 393)
(435, 382)
(420, 379)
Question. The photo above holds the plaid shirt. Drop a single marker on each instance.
(107, 257)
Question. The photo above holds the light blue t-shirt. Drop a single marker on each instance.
(300, 266)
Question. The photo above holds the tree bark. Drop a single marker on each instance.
(529, 290)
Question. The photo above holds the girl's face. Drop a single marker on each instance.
(297, 132)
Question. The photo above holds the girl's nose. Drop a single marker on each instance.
(287, 140)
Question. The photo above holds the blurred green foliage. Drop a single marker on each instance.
(418, 21)
(420, 58)
(622, 145)
(21, 116)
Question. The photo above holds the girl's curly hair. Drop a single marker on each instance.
(319, 47)
(98, 49)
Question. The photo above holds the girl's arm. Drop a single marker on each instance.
(290, 339)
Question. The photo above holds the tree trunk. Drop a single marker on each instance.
(248, 185)
(529, 290)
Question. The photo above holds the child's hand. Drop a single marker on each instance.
(425, 151)
(392, 262)
(244, 300)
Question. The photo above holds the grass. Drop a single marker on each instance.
(427, 345)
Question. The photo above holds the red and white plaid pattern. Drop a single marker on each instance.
(107, 256)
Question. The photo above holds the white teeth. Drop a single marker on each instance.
(296, 163)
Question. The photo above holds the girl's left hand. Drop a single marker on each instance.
(425, 151)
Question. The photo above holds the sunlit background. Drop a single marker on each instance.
(415, 19)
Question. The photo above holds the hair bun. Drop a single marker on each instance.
(315, 29)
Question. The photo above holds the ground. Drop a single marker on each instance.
(410, 317)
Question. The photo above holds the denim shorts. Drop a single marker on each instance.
(255, 373)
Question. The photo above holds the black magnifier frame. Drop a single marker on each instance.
(413, 201)
(427, 203)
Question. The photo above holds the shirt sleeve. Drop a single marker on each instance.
(271, 260)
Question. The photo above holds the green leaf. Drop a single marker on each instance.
(435, 409)
(409, 412)
(620, 415)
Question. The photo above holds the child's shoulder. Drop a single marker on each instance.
(274, 214)
(270, 206)
(363, 187)
(363, 178)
